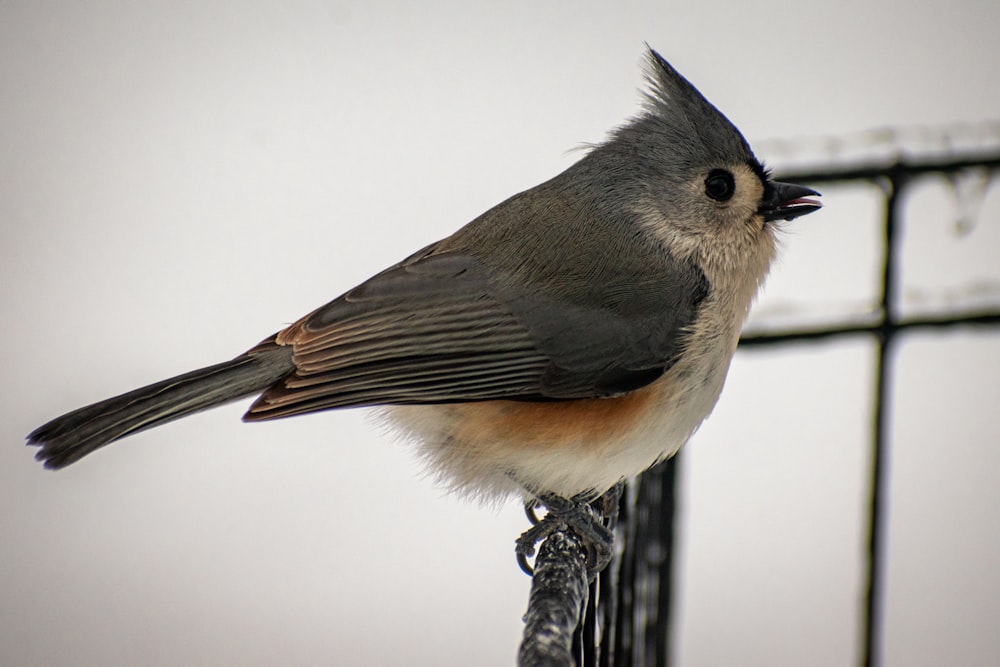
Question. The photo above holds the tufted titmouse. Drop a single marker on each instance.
(565, 340)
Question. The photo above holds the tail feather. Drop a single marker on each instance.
(69, 438)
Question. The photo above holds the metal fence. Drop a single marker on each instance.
(627, 614)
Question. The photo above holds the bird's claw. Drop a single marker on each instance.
(592, 526)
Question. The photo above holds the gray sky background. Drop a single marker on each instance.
(179, 180)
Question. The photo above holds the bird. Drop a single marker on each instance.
(562, 342)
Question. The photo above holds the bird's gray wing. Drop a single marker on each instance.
(443, 327)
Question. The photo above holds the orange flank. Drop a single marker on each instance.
(590, 423)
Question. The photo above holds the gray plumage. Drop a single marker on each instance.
(74, 435)
(590, 285)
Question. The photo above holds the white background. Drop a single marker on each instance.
(179, 180)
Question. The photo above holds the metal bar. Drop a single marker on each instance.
(983, 318)
(558, 594)
(657, 491)
(874, 585)
(620, 652)
(898, 169)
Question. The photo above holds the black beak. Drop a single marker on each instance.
(787, 201)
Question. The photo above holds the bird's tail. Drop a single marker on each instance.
(69, 438)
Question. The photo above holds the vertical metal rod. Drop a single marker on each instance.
(620, 651)
(665, 528)
(873, 613)
(655, 509)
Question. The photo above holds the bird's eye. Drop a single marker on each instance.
(720, 185)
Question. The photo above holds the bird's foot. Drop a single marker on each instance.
(592, 521)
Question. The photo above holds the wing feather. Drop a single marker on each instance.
(498, 311)
(426, 331)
